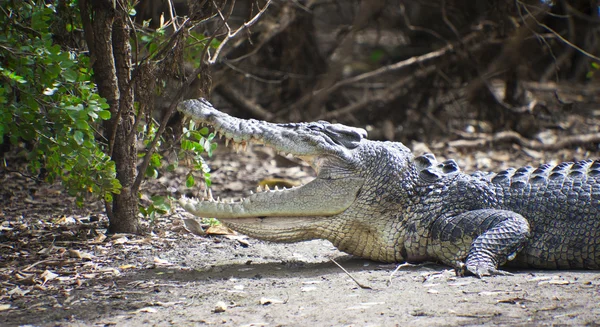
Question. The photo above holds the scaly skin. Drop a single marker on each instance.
(376, 200)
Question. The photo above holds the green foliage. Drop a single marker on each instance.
(48, 99)
(194, 144)
(159, 205)
(594, 67)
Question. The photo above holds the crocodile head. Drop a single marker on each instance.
(339, 154)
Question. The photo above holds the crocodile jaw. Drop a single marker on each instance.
(317, 198)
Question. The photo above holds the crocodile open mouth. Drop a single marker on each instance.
(290, 214)
(320, 197)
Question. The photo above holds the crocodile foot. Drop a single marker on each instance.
(481, 270)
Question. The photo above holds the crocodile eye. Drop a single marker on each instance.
(347, 136)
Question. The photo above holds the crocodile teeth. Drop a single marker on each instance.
(259, 189)
(267, 188)
(205, 194)
(226, 142)
(210, 195)
(276, 188)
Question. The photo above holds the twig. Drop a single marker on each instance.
(230, 35)
(284, 20)
(172, 13)
(560, 37)
(419, 28)
(566, 55)
(398, 267)
(351, 277)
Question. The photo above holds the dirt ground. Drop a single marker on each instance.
(58, 268)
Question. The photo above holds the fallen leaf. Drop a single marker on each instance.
(218, 230)
(98, 239)
(161, 262)
(242, 239)
(559, 282)
(80, 255)
(17, 291)
(267, 301)
(220, 307)
(4, 307)
(45, 251)
(539, 278)
(193, 226)
(25, 279)
(125, 267)
(121, 240)
(47, 276)
(308, 288)
(66, 221)
(147, 309)
(111, 270)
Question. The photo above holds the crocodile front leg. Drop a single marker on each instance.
(478, 241)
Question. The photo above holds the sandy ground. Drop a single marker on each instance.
(298, 285)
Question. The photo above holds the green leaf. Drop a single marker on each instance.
(78, 136)
(70, 75)
(376, 55)
(104, 114)
(189, 181)
(82, 124)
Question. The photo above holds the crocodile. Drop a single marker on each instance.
(376, 200)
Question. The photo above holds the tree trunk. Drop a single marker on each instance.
(107, 35)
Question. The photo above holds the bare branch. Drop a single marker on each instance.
(387, 69)
(560, 37)
(172, 13)
(230, 35)
(392, 92)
